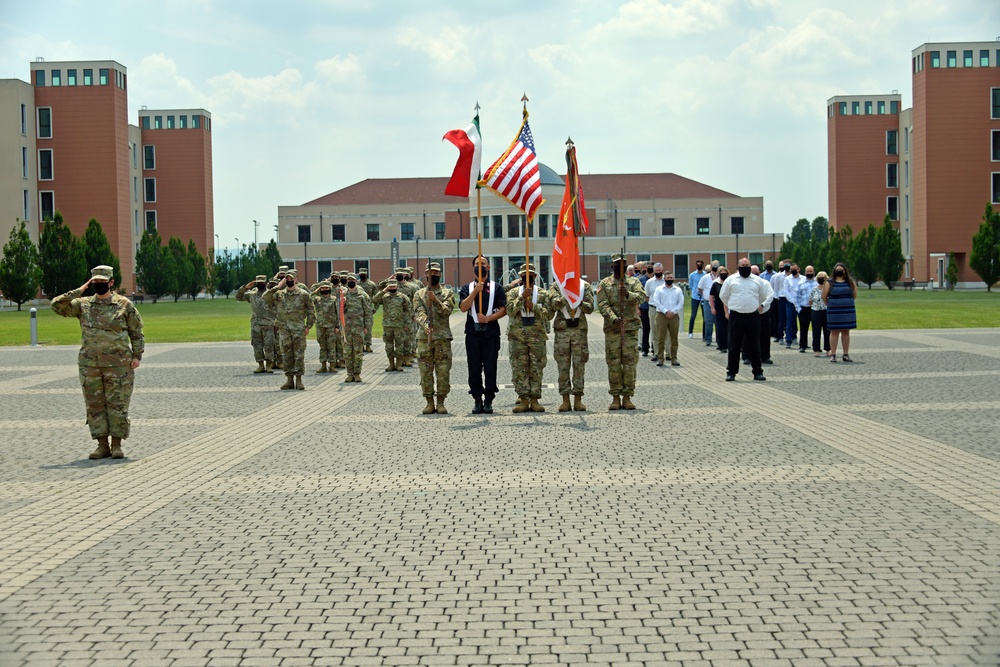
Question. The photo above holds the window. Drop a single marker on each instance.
(868, 108)
(543, 268)
(719, 257)
(24, 160)
(542, 223)
(513, 226)
(27, 207)
(439, 231)
(208, 124)
(71, 77)
(46, 205)
(134, 152)
(371, 232)
(338, 233)
(995, 140)
(498, 226)
(756, 258)
(906, 216)
(643, 258)
(44, 122)
(150, 221)
(183, 120)
(149, 157)
(158, 122)
(892, 175)
(681, 267)
(996, 188)
(952, 59)
(136, 222)
(135, 188)
(855, 108)
(907, 240)
(604, 266)
(361, 265)
(195, 122)
(906, 140)
(667, 227)
(56, 77)
(843, 108)
(881, 111)
(45, 164)
(102, 75)
(406, 231)
(88, 77)
(893, 107)
(995, 95)
(890, 142)
(892, 207)
(324, 269)
(305, 233)
(906, 174)
(632, 226)
(935, 59)
(984, 58)
(150, 189)
(145, 122)
(967, 58)
(170, 122)
(40, 78)
(702, 225)
(24, 120)
(736, 224)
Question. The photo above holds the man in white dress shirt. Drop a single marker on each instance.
(745, 297)
(652, 283)
(704, 287)
(668, 300)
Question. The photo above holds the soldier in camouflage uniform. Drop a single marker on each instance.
(261, 323)
(111, 351)
(407, 287)
(327, 325)
(618, 298)
(570, 346)
(369, 288)
(278, 277)
(432, 307)
(527, 309)
(357, 311)
(296, 315)
(396, 310)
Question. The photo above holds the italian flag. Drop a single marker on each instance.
(470, 148)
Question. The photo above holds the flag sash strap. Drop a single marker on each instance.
(534, 298)
(493, 293)
(576, 309)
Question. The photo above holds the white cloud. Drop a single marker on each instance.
(346, 70)
(654, 18)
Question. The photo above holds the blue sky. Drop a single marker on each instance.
(309, 97)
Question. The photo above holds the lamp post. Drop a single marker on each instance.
(305, 262)
(255, 226)
(416, 237)
(216, 244)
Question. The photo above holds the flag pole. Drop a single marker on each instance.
(527, 218)
(479, 224)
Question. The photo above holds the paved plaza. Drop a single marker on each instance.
(837, 514)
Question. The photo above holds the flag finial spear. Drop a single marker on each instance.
(477, 107)
(524, 99)
(569, 142)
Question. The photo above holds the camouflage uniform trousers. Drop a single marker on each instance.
(570, 351)
(392, 338)
(293, 350)
(354, 350)
(527, 361)
(276, 337)
(368, 325)
(328, 337)
(434, 358)
(622, 357)
(106, 393)
(262, 339)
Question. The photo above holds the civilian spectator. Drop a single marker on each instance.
(668, 302)
(704, 288)
(640, 273)
(791, 287)
(839, 296)
(653, 281)
(745, 296)
(803, 307)
(778, 287)
(718, 312)
(819, 314)
(693, 281)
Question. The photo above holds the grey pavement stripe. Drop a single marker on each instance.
(39, 537)
(75, 423)
(929, 339)
(967, 480)
(56, 373)
(924, 407)
(868, 377)
(507, 419)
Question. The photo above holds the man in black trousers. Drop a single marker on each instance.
(484, 303)
(745, 297)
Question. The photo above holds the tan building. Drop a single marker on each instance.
(18, 170)
(658, 217)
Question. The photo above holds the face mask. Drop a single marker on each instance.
(351, 284)
(658, 275)
(260, 287)
(291, 283)
(435, 280)
(769, 268)
(809, 276)
(324, 291)
(723, 276)
(618, 272)
(649, 270)
(744, 271)
(821, 280)
(839, 273)
(362, 277)
(787, 268)
(392, 291)
(795, 272)
(334, 282)
(101, 288)
(668, 283)
(482, 271)
(399, 276)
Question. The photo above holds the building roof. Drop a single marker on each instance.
(595, 186)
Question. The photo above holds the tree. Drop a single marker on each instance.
(177, 253)
(820, 229)
(273, 258)
(985, 256)
(61, 258)
(20, 274)
(837, 247)
(210, 270)
(97, 250)
(887, 253)
(802, 231)
(199, 274)
(861, 256)
(154, 266)
(223, 274)
(951, 273)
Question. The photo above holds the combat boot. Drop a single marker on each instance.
(277, 364)
(392, 365)
(565, 406)
(298, 383)
(578, 403)
(289, 381)
(269, 367)
(116, 448)
(534, 406)
(322, 368)
(349, 378)
(102, 451)
(260, 367)
(429, 409)
(627, 403)
(368, 349)
(440, 409)
(616, 404)
(521, 405)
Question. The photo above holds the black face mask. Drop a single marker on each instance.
(769, 268)
(324, 291)
(744, 271)
(649, 271)
(260, 287)
(723, 276)
(787, 268)
(101, 288)
(809, 276)
(839, 273)
(362, 277)
(435, 280)
(668, 283)
(618, 272)
(400, 276)
(795, 272)
(821, 280)
(392, 291)
(351, 284)
(482, 272)
(658, 275)
(334, 282)
(291, 283)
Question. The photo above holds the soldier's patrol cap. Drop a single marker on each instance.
(325, 283)
(343, 274)
(409, 270)
(391, 282)
(351, 276)
(400, 269)
(434, 266)
(292, 272)
(282, 268)
(260, 279)
(527, 268)
(618, 257)
(102, 272)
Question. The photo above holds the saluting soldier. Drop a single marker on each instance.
(618, 298)
(528, 309)
(357, 311)
(327, 325)
(570, 347)
(296, 315)
(433, 306)
(407, 287)
(261, 323)
(370, 288)
(111, 350)
(396, 310)
(278, 277)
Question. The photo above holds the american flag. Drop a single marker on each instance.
(514, 176)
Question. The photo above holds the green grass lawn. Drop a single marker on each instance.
(223, 319)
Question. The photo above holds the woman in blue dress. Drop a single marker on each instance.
(839, 295)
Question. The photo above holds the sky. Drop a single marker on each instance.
(308, 97)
